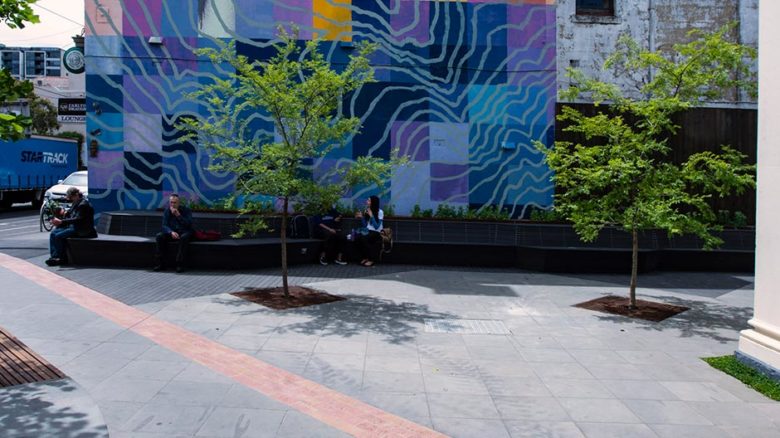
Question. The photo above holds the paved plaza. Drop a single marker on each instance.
(413, 351)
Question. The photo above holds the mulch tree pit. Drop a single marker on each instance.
(274, 298)
(647, 310)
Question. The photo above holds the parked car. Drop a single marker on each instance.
(54, 203)
(57, 192)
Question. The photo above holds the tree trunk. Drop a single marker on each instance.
(283, 235)
(634, 266)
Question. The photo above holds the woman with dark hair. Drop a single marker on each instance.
(369, 241)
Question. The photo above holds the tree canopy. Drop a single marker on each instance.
(620, 175)
(299, 91)
(14, 14)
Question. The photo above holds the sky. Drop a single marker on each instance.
(60, 19)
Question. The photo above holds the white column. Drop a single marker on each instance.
(762, 342)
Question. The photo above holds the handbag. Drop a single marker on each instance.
(207, 235)
(387, 240)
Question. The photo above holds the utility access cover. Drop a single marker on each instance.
(466, 326)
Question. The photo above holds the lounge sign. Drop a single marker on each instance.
(72, 110)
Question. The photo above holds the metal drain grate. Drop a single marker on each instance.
(466, 326)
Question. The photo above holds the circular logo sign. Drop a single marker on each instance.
(73, 59)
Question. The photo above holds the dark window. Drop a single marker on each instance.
(596, 7)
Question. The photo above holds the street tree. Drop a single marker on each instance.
(43, 115)
(620, 174)
(15, 14)
(300, 92)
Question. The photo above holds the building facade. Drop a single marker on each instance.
(463, 89)
(32, 62)
(588, 31)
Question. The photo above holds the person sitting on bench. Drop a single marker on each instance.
(328, 228)
(79, 221)
(369, 240)
(176, 227)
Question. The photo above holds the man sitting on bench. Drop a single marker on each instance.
(177, 227)
(79, 221)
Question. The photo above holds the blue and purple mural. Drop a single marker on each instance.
(463, 89)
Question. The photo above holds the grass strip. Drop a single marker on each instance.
(747, 375)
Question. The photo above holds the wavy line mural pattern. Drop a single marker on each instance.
(463, 89)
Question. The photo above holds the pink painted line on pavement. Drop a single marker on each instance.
(326, 405)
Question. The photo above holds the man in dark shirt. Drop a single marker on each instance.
(328, 228)
(79, 221)
(176, 226)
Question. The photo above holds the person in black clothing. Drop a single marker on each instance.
(79, 221)
(176, 226)
(369, 240)
(328, 228)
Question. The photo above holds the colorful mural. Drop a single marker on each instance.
(463, 89)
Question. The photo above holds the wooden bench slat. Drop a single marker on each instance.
(19, 364)
(7, 376)
(43, 367)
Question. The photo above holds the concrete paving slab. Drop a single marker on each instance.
(241, 422)
(676, 431)
(638, 390)
(666, 412)
(531, 429)
(60, 408)
(598, 410)
(616, 430)
(540, 409)
(578, 388)
(471, 428)
(462, 406)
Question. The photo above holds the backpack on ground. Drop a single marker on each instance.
(299, 227)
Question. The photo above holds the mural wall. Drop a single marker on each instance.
(463, 89)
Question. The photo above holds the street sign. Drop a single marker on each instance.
(73, 110)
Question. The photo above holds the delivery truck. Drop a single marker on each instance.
(30, 166)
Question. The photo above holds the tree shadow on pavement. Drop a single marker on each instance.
(54, 408)
(358, 314)
(707, 284)
(709, 320)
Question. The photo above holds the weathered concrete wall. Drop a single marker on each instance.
(585, 42)
(655, 24)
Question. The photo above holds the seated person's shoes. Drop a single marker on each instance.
(158, 268)
(180, 269)
(53, 261)
(340, 262)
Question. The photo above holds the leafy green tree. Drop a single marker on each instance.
(44, 116)
(13, 126)
(79, 137)
(302, 95)
(622, 176)
(14, 13)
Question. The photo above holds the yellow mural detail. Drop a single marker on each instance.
(333, 18)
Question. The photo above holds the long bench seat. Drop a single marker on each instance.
(138, 252)
(540, 247)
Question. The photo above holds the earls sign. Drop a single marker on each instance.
(55, 158)
(72, 110)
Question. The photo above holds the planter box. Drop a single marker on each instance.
(525, 245)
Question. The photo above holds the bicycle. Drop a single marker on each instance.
(49, 210)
